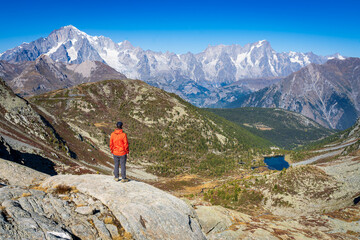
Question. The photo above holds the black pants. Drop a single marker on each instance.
(120, 160)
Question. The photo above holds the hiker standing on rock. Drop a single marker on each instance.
(119, 147)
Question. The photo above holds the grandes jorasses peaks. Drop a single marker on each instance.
(188, 75)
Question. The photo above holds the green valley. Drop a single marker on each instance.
(167, 135)
(286, 129)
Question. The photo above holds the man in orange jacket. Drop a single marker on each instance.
(119, 147)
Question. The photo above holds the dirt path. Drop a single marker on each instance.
(343, 145)
(316, 158)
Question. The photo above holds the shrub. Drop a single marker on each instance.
(62, 189)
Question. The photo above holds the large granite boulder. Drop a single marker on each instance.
(144, 211)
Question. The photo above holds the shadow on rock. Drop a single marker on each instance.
(356, 200)
(38, 163)
(30, 160)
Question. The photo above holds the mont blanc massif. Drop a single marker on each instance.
(207, 133)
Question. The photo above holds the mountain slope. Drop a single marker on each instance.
(166, 134)
(44, 74)
(182, 74)
(328, 93)
(286, 129)
(27, 137)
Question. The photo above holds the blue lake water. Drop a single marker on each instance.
(276, 163)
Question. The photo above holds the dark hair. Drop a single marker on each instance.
(119, 124)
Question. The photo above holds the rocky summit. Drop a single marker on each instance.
(144, 211)
(93, 207)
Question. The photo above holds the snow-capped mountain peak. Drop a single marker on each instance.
(336, 55)
(215, 66)
(261, 43)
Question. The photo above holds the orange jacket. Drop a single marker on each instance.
(119, 144)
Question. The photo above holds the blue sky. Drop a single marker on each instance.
(323, 27)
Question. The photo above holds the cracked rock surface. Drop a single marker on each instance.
(144, 211)
(35, 214)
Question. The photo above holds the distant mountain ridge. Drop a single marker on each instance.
(327, 93)
(192, 76)
(44, 74)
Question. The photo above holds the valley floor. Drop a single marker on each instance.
(334, 215)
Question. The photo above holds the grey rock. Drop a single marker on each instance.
(85, 210)
(144, 211)
(214, 219)
(84, 230)
(101, 228)
(38, 215)
(113, 231)
(17, 174)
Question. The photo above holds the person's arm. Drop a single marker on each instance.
(111, 144)
(126, 144)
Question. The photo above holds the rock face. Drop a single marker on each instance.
(34, 214)
(26, 136)
(232, 225)
(6, 150)
(12, 173)
(328, 93)
(144, 211)
(189, 75)
(45, 74)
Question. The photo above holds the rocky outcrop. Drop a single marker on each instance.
(35, 214)
(223, 223)
(15, 174)
(94, 207)
(6, 151)
(27, 137)
(144, 211)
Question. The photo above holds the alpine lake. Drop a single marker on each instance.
(276, 162)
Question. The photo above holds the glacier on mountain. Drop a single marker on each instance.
(214, 68)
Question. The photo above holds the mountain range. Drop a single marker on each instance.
(44, 74)
(324, 89)
(327, 93)
(198, 78)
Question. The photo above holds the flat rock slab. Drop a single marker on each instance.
(143, 210)
(17, 174)
(86, 210)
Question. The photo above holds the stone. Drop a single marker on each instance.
(214, 218)
(113, 231)
(101, 228)
(35, 214)
(85, 210)
(17, 174)
(163, 216)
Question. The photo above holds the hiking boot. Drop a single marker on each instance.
(116, 179)
(124, 180)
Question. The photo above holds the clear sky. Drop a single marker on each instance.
(323, 27)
